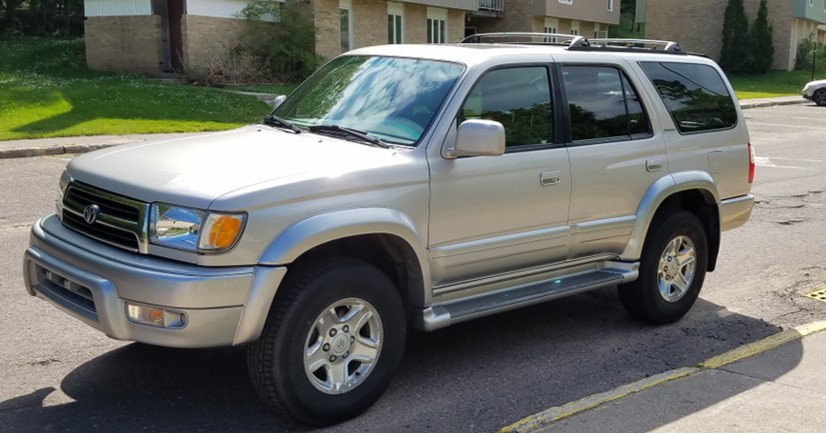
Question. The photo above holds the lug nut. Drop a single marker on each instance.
(333, 358)
(352, 340)
(333, 332)
(326, 347)
(346, 354)
(346, 328)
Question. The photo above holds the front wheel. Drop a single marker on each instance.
(672, 269)
(820, 97)
(332, 343)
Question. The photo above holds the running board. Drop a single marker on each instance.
(443, 315)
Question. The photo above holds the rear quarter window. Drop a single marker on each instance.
(694, 94)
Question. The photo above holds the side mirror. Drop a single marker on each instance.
(477, 137)
(277, 101)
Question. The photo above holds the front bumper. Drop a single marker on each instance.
(93, 282)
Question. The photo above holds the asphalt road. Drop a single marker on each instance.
(57, 374)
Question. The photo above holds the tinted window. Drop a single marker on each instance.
(694, 94)
(519, 98)
(602, 104)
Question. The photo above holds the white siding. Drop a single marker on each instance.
(216, 8)
(107, 8)
(468, 5)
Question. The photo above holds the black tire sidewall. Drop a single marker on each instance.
(300, 397)
(819, 97)
(676, 224)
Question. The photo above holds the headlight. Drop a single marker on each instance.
(62, 185)
(193, 229)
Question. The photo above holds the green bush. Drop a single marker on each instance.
(807, 50)
(282, 37)
(734, 55)
(761, 43)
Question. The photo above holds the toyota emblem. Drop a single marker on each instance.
(90, 213)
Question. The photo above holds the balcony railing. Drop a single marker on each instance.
(492, 5)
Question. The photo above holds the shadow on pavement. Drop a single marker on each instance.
(476, 376)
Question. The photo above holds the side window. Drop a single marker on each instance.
(695, 95)
(603, 105)
(519, 98)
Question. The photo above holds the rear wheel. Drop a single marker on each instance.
(332, 343)
(820, 97)
(672, 269)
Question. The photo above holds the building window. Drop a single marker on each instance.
(610, 5)
(346, 22)
(599, 33)
(575, 28)
(567, 2)
(436, 25)
(395, 20)
(551, 26)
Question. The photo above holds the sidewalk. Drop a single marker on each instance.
(63, 145)
(774, 385)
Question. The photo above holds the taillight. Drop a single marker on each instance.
(751, 163)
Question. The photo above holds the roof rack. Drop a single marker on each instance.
(532, 38)
(638, 44)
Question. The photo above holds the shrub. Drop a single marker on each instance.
(282, 38)
(761, 43)
(734, 55)
(807, 50)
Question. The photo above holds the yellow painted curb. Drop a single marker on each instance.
(545, 418)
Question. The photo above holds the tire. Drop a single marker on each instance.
(666, 289)
(305, 365)
(820, 97)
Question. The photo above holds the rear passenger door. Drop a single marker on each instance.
(615, 155)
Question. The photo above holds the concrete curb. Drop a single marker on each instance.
(52, 150)
(757, 103)
(542, 420)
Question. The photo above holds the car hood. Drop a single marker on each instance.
(815, 83)
(196, 170)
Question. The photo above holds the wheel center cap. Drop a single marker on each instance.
(340, 344)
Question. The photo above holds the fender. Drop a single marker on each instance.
(316, 230)
(657, 193)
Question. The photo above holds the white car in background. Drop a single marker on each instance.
(815, 91)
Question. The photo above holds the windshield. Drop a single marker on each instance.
(391, 98)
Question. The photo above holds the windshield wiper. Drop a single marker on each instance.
(343, 130)
(273, 120)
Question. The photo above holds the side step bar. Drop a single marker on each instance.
(443, 315)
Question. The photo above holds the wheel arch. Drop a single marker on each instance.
(384, 238)
(693, 191)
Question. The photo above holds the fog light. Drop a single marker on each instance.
(154, 316)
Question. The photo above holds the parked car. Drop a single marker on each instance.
(416, 187)
(815, 91)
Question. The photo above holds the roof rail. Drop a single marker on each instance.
(641, 44)
(533, 38)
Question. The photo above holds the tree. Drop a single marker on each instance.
(734, 56)
(761, 42)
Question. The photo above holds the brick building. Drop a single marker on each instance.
(155, 36)
(698, 25)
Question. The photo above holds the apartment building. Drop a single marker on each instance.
(156, 36)
(698, 25)
(589, 18)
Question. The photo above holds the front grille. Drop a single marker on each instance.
(120, 221)
(107, 206)
(110, 235)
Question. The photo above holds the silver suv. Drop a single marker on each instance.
(405, 186)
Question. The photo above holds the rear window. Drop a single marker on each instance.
(695, 95)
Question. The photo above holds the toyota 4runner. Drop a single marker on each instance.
(406, 186)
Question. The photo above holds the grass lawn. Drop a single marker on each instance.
(775, 83)
(47, 91)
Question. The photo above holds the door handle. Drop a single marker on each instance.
(653, 164)
(549, 178)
